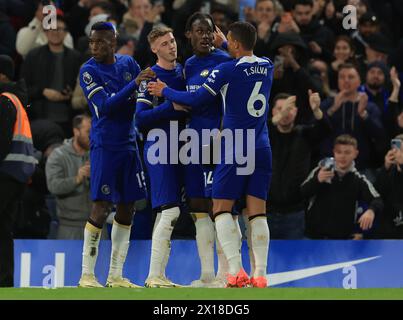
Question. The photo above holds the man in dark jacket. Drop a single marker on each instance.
(389, 183)
(292, 149)
(7, 84)
(318, 38)
(289, 74)
(51, 73)
(333, 190)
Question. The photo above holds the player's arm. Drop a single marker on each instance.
(97, 96)
(147, 115)
(202, 96)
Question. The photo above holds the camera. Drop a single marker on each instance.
(328, 164)
(396, 144)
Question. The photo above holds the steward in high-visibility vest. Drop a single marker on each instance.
(19, 163)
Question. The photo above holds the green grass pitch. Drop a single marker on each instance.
(199, 294)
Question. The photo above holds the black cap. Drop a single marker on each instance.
(368, 17)
(379, 42)
(7, 66)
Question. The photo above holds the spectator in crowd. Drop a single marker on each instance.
(7, 39)
(375, 88)
(51, 72)
(135, 18)
(68, 178)
(289, 74)
(39, 206)
(318, 38)
(143, 54)
(389, 183)
(368, 24)
(77, 18)
(333, 190)
(343, 52)
(223, 16)
(265, 18)
(292, 147)
(99, 11)
(320, 69)
(7, 73)
(17, 164)
(378, 48)
(351, 112)
(34, 35)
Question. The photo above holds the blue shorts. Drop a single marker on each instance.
(230, 185)
(198, 181)
(116, 176)
(166, 182)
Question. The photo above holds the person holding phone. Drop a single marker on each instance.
(389, 182)
(331, 212)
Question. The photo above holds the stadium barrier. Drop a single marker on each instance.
(303, 263)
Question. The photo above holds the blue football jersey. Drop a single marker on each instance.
(244, 85)
(153, 112)
(111, 94)
(196, 72)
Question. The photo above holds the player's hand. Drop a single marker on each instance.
(155, 88)
(325, 175)
(146, 74)
(180, 107)
(367, 219)
(219, 38)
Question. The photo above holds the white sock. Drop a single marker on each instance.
(120, 237)
(92, 235)
(260, 236)
(205, 244)
(222, 261)
(236, 221)
(228, 235)
(249, 241)
(161, 240)
(166, 257)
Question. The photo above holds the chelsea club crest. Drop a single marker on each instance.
(204, 73)
(128, 76)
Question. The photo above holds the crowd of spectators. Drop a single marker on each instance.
(329, 81)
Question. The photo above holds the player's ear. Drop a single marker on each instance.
(188, 34)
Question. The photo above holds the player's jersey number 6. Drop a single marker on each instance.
(254, 97)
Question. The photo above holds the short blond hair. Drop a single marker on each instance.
(158, 32)
(346, 139)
